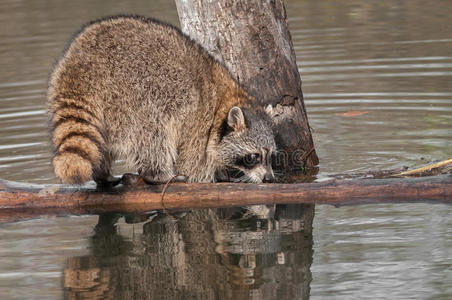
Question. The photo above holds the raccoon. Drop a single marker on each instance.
(137, 89)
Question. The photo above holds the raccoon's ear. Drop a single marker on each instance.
(236, 120)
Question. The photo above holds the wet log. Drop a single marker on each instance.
(253, 41)
(19, 200)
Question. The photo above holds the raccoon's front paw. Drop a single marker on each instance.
(108, 182)
(130, 179)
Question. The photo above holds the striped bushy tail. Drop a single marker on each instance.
(78, 141)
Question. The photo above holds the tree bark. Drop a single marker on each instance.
(253, 41)
(22, 200)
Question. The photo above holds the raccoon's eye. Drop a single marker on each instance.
(249, 161)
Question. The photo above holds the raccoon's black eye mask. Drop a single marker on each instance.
(249, 161)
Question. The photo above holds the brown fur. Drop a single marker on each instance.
(135, 88)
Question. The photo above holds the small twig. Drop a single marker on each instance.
(427, 168)
(165, 211)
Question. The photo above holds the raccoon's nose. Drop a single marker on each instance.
(268, 178)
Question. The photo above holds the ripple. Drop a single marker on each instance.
(21, 83)
(378, 67)
(24, 145)
(16, 98)
(328, 77)
(391, 94)
(375, 60)
(22, 275)
(23, 114)
(19, 157)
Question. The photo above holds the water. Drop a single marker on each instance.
(390, 60)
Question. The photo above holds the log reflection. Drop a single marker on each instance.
(205, 254)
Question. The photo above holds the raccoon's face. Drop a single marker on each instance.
(247, 146)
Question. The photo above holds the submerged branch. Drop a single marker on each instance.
(22, 200)
(426, 169)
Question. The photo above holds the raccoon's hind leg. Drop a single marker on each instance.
(101, 172)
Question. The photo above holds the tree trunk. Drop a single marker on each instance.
(253, 41)
(251, 38)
